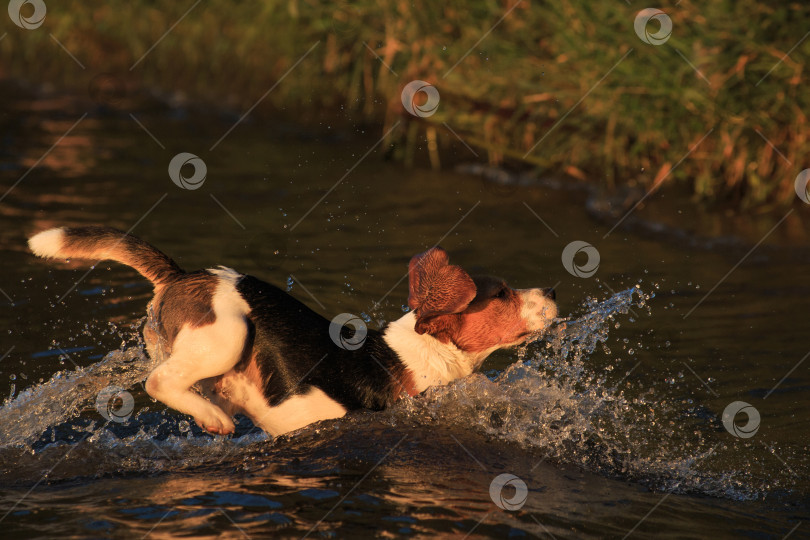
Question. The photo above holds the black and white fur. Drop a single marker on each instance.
(248, 347)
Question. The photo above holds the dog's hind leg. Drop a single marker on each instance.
(199, 353)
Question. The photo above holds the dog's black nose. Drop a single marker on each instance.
(550, 293)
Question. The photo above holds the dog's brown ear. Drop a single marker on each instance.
(438, 326)
(436, 287)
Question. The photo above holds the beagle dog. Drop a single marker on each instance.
(230, 343)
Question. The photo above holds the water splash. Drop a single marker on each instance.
(24, 418)
(553, 402)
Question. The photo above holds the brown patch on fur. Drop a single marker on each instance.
(186, 301)
(491, 322)
(403, 382)
(492, 319)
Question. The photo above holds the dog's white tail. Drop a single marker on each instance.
(102, 243)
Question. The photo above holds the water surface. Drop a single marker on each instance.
(614, 425)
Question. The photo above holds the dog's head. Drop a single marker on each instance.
(476, 314)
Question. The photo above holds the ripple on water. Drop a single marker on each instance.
(550, 401)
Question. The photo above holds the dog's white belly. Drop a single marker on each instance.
(298, 411)
(293, 413)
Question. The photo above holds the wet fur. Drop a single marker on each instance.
(235, 344)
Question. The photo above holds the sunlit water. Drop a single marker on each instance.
(548, 403)
(604, 421)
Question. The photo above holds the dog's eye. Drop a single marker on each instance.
(501, 293)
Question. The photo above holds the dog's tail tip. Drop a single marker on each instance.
(48, 243)
(105, 243)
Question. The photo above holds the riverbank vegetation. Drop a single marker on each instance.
(567, 88)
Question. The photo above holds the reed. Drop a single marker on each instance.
(605, 106)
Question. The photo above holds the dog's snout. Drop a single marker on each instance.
(550, 293)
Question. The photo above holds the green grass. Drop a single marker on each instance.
(548, 70)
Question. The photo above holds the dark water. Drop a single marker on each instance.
(614, 427)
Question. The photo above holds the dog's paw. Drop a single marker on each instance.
(217, 425)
